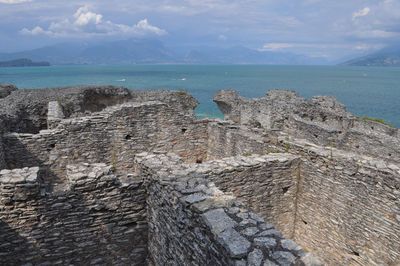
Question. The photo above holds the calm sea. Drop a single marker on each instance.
(371, 91)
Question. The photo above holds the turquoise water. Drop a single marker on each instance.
(371, 91)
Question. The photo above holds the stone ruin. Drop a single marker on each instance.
(109, 176)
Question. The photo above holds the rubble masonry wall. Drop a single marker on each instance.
(192, 222)
(99, 219)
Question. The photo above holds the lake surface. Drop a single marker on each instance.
(371, 91)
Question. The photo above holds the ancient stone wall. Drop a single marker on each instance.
(25, 111)
(348, 208)
(265, 184)
(225, 139)
(344, 205)
(337, 194)
(99, 219)
(193, 222)
(356, 135)
(181, 101)
(112, 136)
(321, 120)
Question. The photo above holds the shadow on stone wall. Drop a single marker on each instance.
(13, 247)
(50, 181)
(99, 221)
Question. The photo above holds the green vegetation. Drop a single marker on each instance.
(379, 120)
(59, 101)
(287, 144)
(247, 154)
(275, 151)
(261, 154)
(182, 92)
(331, 143)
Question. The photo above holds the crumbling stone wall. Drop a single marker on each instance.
(337, 199)
(181, 101)
(347, 191)
(25, 111)
(348, 208)
(321, 120)
(225, 139)
(266, 185)
(112, 136)
(193, 222)
(99, 219)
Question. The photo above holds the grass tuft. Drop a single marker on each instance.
(379, 120)
(182, 92)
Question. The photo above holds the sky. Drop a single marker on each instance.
(319, 28)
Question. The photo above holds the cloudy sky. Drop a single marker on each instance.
(327, 28)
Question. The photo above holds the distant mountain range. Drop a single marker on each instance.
(386, 57)
(146, 51)
(243, 55)
(24, 62)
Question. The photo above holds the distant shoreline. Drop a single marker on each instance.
(23, 62)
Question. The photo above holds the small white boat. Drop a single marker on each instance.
(183, 78)
(121, 80)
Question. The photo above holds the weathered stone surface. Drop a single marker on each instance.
(255, 258)
(284, 257)
(321, 120)
(114, 136)
(218, 221)
(290, 244)
(98, 186)
(210, 237)
(76, 226)
(6, 89)
(25, 111)
(236, 244)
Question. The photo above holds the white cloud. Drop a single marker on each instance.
(85, 23)
(84, 16)
(222, 37)
(35, 31)
(362, 47)
(14, 1)
(375, 34)
(280, 46)
(361, 13)
(276, 46)
(143, 26)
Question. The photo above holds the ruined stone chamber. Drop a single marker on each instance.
(109, 176)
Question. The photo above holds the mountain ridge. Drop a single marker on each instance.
(388, 56)
(152, 51)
